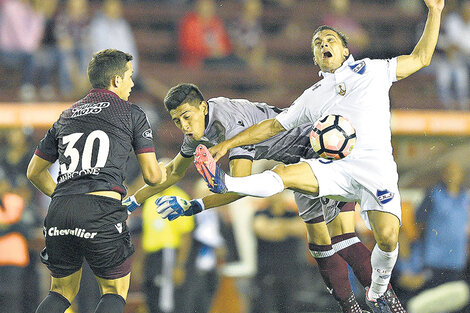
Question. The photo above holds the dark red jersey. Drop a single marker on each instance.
(92, 141)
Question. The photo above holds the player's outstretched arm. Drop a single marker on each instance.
(39, 175)
(152, 171)
(252, 135)
(172, 207)
(174, 171)
(422, 53)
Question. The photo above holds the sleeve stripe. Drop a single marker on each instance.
(45, 156)
(184, 155)
(145, 150)
(247, 157)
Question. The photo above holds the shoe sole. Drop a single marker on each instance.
(205, 164)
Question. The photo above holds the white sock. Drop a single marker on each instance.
(382, 265)
(262, 185)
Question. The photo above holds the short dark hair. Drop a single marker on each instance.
(182, 93)
(105, 64)
(341, 36)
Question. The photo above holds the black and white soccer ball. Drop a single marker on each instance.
(333, 137)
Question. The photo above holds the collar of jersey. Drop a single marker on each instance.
(209, 118)
(348, 61)
(96, 90)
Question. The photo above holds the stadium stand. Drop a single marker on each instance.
(287, 36)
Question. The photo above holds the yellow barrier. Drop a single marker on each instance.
(447, 123)
(31, 114)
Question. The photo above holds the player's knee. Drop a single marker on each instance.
(69, 292)
(387, 238)
(118, 286)
(279, 169)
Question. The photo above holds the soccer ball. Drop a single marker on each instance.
(333, 137)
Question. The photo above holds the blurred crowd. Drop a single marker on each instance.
(45, 45)
(252, 253)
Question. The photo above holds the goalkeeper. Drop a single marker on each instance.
(213, 121)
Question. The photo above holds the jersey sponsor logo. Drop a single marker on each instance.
(341, 89)
(358, 68)
(118, 227)
(77, 232)
(384, 196)
(89, 108)
(147, 134)
(87, 171)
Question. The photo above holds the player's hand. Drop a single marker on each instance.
(163, 171)
(172, 207)
(218, 150)
(131, 204)
(435, 4)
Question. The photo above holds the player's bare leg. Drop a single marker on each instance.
(384, 256)
(357, 255)
(332, 267)
(297, 176)
(63, 291)
(113, 294)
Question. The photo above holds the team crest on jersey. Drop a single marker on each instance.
(341, 89)
(384, 196)
(358, 68)
(147, 134)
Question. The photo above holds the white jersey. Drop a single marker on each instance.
(359, 91)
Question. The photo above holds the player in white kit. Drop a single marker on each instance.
(359, 91)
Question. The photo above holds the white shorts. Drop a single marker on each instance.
(372, 181)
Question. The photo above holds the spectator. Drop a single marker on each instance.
(203, 38)
(46, 57)
(443, 218)
(21, 31)
(340, 18)
(13, 248)
(16, 157)
(167, 246)
(452, 66)
(247, 33)
(279, 231)
(110, 21)
(202, 280)
(72, 40)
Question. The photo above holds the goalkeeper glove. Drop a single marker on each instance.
(131, 204)
(172, 207)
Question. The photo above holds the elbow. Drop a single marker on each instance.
(425, 60)
(31, 173)
(153, 179)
